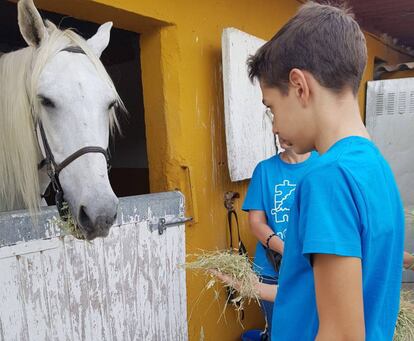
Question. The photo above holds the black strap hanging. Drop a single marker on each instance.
(229, 198)
(240, 246)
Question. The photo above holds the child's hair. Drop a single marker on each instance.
(321, 39)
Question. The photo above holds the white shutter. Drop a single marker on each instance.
(248, 129)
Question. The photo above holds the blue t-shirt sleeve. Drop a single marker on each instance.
(329, 220)
(254, 196)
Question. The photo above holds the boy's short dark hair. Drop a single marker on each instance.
(321, 39)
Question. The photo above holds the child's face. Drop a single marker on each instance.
(291, 119)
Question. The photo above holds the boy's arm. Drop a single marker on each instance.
(267, 292)
(260, 229)
(338, 287)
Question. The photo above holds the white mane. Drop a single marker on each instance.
(19, 152)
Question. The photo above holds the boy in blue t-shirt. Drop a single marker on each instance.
(268, 201)
(341, 273)
(342, 264)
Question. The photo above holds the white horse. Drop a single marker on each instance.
(57, 104)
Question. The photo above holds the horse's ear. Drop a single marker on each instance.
(30, 23)
(100, 40)
(50, 26)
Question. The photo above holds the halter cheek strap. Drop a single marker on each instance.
(54, 169)
(57, 168)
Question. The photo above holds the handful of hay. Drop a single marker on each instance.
(237, 267)
(404, 330)
(68, 224)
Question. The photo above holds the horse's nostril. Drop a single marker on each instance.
(84, 219)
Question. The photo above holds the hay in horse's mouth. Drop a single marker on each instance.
(68, 224)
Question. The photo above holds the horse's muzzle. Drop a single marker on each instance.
(96, 226)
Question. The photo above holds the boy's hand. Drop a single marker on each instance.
(408, 261)
(264, 291)
(226, 279)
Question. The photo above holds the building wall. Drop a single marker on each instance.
(377, 49)
(183, 100)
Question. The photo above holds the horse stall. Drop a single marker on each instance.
(127, 286)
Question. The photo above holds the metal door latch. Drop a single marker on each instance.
(163, 223)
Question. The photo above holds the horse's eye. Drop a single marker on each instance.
(46, 102)
(112, 105)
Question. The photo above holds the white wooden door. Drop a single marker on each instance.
(128, 286)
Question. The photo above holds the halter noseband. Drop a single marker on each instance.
(53, 168)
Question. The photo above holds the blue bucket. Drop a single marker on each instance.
(252, 335)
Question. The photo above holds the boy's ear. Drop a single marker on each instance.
(299, 82)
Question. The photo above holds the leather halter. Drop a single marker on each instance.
(53, 168)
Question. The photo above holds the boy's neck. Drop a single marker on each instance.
(338, 117)
(291, 157)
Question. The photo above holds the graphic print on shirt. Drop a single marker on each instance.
(283, 197)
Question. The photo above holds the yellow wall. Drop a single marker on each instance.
(183, 98)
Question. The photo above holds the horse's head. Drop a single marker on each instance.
(74, 99)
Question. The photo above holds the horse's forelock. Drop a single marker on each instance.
(63, 39)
